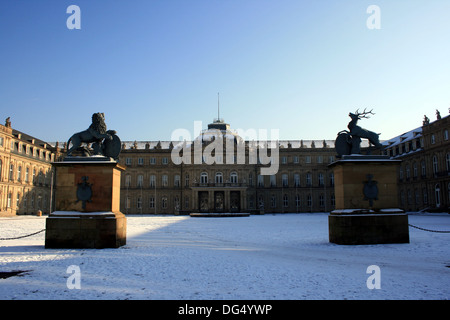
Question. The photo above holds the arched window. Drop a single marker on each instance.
(233, 177)
(203, 177)
(437, 195)
(435, 165)
(219, 177)
(447, 161)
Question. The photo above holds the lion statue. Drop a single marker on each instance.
(95, 134)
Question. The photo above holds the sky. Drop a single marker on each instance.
(154, 66)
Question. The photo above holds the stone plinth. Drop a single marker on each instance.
(365, 182)
(87, 203)
(75, 230)
(378, 228)
(101, 177)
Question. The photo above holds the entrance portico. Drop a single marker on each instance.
(220, 199)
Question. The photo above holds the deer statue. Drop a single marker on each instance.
(349, 142)
(360, 132)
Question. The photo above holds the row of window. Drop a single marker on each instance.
(26, 175)
(28, 150)
(423, 169)
(298, 202)
(233, 179)
(283, 159)
(417, 201)
(433, 137)
(28, 201)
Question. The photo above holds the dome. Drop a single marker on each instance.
(219, 129)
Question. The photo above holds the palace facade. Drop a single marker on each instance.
(25, 172)
(207, 177)
(219, 171)
(424, 174)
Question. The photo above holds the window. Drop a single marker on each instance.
(260, 181)
(285, 201)
(250, 179)
(152, 202)
(273, 201)
(296, 160)
(425, 196)
(308, 179)
(128, 161)
(219, 177)
(164, 202)
(140, 161)
(140, 180)
(127, 180)
(233, 177)
(186, 180)
(445, 134)
(284, 180)
(203, 178)
(165, 160)
(176, 180)
(309, 200)
(139, 203)
(308, 159)
(319, 159)
(424, 169)
(153, 160)
(433, 139)
(165, 180)
(435, 165)
(273, 180)
(11, 172)
(296, 180)
(186, 202)
(152, 181)
(447, 161)
(415, 171)
(320, 176)
(27, 174)
(332, 179)
(19, 173)
(437, 195)
(283, 159)
(321, 200)
(297, 201)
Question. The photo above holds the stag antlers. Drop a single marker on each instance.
(364, 114)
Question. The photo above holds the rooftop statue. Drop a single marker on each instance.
(349, 142)
(104, 142)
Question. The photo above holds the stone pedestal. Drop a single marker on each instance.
(367, 202)
(87, 203)
(375, 228)
(365, 182)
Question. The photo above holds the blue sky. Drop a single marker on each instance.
(153, 66)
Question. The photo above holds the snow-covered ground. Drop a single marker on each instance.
(285, 256)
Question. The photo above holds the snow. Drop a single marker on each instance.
(264, 257)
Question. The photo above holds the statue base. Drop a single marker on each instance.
(87, 203)
(75, 230)
(377, 228)
(367, 202)
(365, 182)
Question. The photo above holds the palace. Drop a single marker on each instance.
(227, 181)
(220, 171)
(25, 172)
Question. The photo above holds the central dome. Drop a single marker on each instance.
(219, 129)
